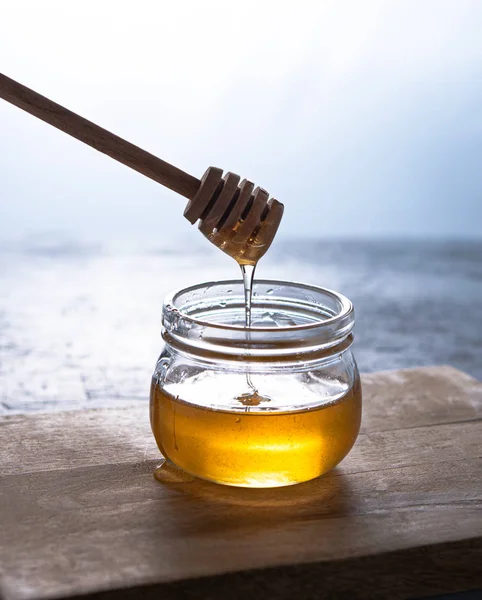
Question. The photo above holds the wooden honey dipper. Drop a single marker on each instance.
(235, 216)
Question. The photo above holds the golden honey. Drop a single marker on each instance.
(255, 447)
(248, 251)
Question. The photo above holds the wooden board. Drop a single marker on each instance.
(401, 517)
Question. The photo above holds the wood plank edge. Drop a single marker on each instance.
(410, 573)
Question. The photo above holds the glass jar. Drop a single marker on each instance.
(273, 405)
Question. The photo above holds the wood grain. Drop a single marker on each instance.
(98, 138)
(80, 513)
(430, 569)
(417, 397)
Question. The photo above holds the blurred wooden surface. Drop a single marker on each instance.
(401, 517)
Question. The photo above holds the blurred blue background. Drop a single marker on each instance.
(363, 118)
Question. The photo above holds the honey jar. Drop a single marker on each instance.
(271, 405)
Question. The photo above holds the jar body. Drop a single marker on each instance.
(302, 420)
(257, 448)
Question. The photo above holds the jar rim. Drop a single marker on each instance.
(346, 306)
(306, 318)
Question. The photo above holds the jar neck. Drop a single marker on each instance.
(309, 356)
(291, 321)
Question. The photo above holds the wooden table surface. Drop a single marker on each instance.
(401, 517)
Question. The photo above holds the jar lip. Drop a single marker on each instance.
(345, 305)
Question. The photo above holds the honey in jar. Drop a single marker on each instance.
(276, 404)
